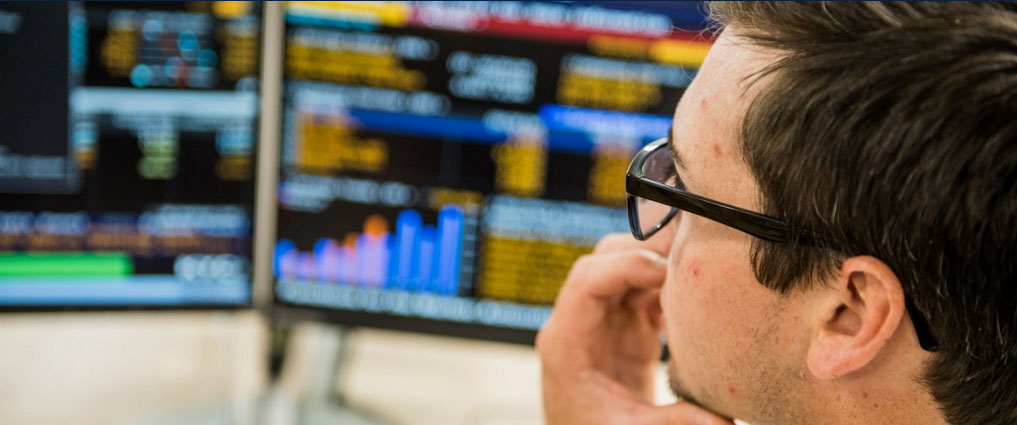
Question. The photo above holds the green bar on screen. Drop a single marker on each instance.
(96, 264)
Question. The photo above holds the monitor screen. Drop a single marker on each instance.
(444, 163)
(127, 153)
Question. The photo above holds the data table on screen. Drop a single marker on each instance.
(156, 135)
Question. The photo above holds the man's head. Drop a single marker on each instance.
(890, 130)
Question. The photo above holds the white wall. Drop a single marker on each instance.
(124, 368)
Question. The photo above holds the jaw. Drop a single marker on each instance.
(684, 392)
(757, 380)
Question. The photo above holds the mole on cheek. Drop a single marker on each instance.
(717, 151)
(694, 267)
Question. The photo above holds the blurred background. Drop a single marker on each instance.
(310, 212)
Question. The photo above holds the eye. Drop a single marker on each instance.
(672, 179)
(660, 167)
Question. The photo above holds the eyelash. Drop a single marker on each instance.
(674, 180)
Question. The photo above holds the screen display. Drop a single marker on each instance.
(445, 163)
(127, 153)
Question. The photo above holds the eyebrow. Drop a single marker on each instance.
(670, 148)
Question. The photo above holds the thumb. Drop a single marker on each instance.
(681, 413)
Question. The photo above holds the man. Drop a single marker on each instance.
(842, 248)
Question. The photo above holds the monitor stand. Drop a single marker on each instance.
(306, 391)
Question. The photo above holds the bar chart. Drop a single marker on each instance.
(413, 256)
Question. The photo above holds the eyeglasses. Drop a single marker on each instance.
(656, 195)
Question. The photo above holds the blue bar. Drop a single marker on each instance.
(326, 260)
(387, 263)
(568, 128)
(372, 254)
(360, 251)
(466, 129)
(392, 247)
(282, 247)
(450, 243)
(319, 21)
(407, 238)
(560, 118)
(424, 272)
(156, 290)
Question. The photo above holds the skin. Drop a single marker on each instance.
(841, 352)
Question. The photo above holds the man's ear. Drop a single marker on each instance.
(863, 312)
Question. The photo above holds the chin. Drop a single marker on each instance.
(678, 387)
(681, 390)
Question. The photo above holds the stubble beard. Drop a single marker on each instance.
(678, 388)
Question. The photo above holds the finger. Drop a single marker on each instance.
(645, 301)
(615, 242)
(610, 276)
(680, 414)
(594, 288)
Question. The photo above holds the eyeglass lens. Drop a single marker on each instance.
(659, 167)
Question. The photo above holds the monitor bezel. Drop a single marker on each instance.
(283, 313)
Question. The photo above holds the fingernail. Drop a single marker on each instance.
(659, 259)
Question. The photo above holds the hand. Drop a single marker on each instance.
(599, 348)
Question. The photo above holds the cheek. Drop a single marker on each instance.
(699, 304)
(705, 282)
(711, 304)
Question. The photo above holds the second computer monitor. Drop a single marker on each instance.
(127, 151)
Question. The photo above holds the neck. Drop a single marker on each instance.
(885, 406)
(887, 391)
(836, 404)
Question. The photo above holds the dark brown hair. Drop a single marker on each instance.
(891, 130)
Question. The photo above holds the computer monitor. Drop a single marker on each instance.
(444, 163)
(127, 150)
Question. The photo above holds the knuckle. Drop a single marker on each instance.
(582, 262)
(614, 242)
(544, 344)
(576, 272)
(540, 343)
(648, 259)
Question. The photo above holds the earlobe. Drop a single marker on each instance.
(862, 313)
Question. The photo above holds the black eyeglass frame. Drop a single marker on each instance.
(764, 227)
